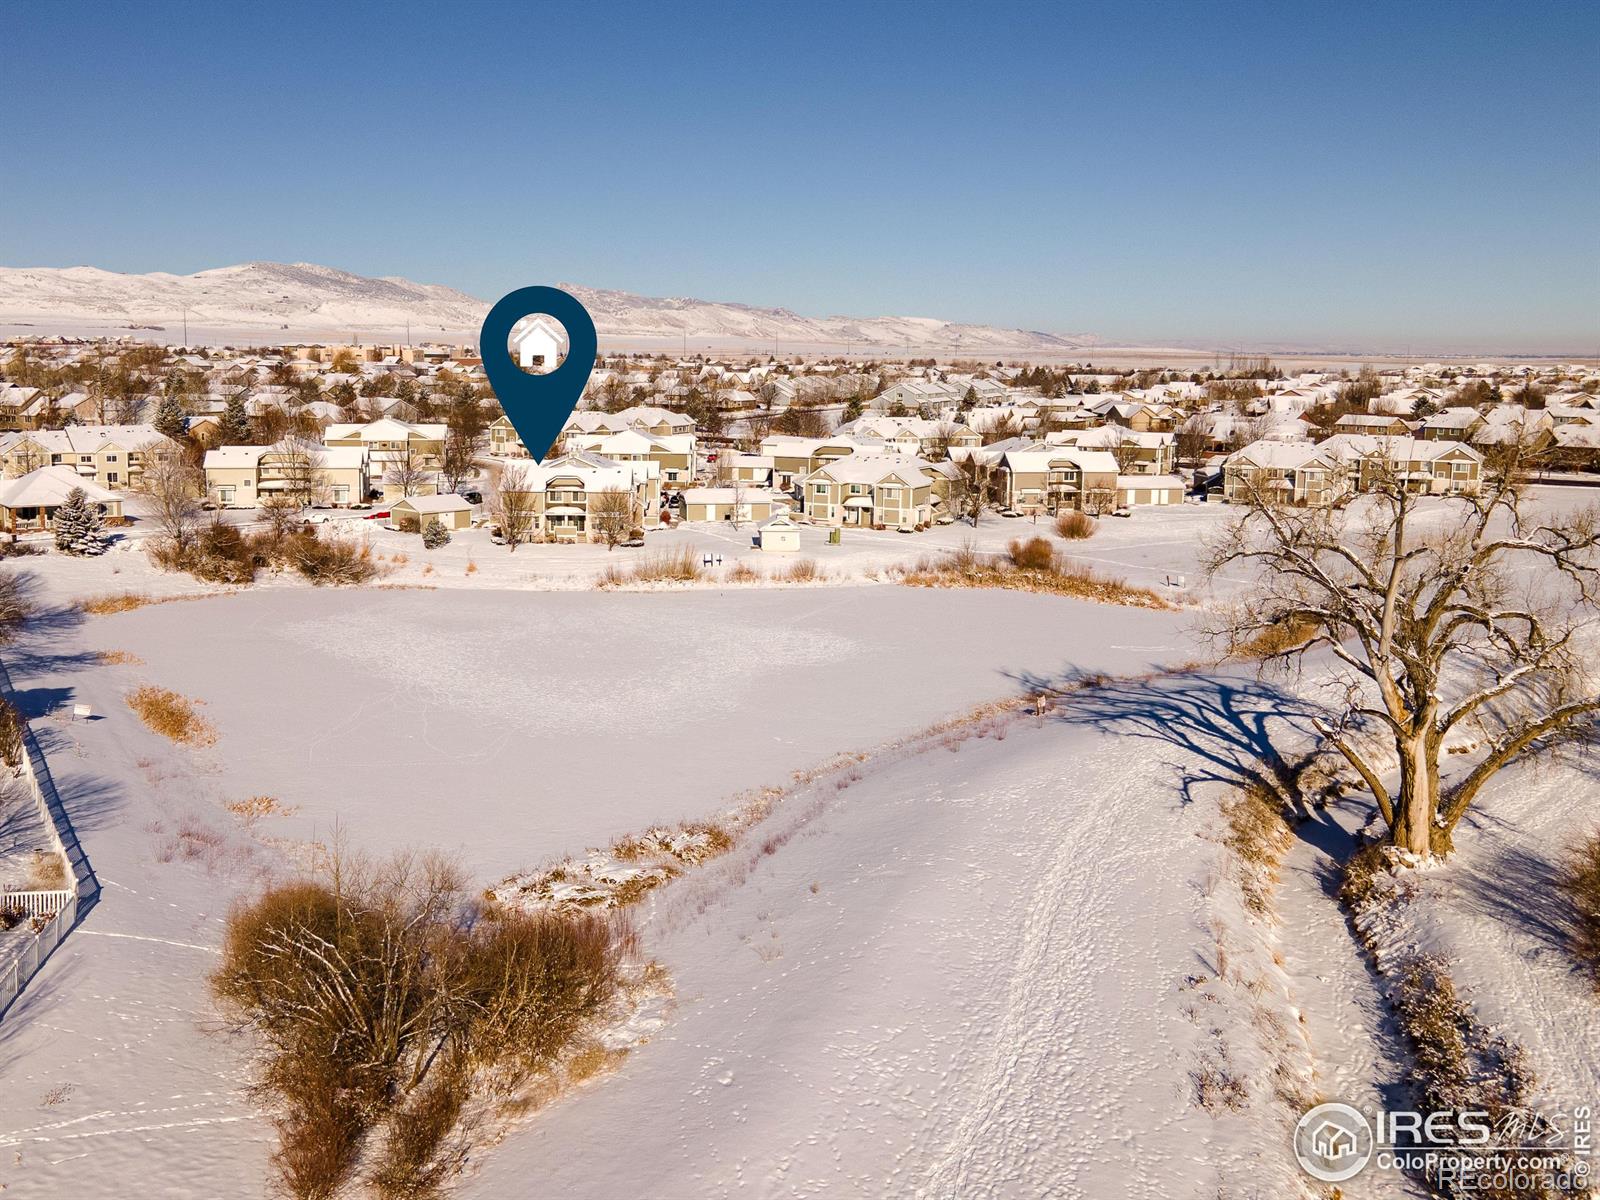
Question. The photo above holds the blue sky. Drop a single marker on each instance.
(1374, 176)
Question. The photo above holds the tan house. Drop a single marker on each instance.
(388, 441)
(413, 513)
(591, 423)
(29, 503)
(244, 476)
(109, 455)
(1148, 453)
(794, 458)
(881, 491)
(1287, 472)
(735, 504)
(913, 435)
(1051, 479)
(563, 493)
(1307, 473)
(672, 452)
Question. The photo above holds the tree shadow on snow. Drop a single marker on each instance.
(1232, 729)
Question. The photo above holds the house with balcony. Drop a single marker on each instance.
(878, 491)
(672, 452)
(111, 456)
(915, 436)
(245, 476)
(387, 440)
(1137, 453)
(1300, 473)
(1043, 479)
(793, 458)
(563, 492)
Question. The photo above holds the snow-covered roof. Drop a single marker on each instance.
(50, 486)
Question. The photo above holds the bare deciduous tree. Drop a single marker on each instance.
(299, 465)
(511, 503)
(172, 485)
(407, 470)
(1472, 624)
(613, 515)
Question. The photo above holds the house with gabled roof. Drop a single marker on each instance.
(885, 491)
(111, 455)
(1041, 478)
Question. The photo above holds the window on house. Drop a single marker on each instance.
(111, 476)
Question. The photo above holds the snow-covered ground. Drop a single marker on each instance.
(985, 965)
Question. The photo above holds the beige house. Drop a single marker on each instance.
(29, 503)
(913, 435)
(1288, 472)
(794, 458)
(1147, 453)
(390, 443)
(413, 513)
(109, 455)
(1051, 479)
(736, 503)
(672, 452)
(562, 494)
(591, 423)
(881, 491)
(244, 476)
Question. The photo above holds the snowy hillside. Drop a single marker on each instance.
(303, 300)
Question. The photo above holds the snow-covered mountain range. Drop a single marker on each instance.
(272, 301)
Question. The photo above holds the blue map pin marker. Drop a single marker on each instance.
(538, 405)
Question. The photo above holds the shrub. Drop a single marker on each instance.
(330, 560)
(802, 570)
(1259, 837)
(171, 715)
(1074, 526)
(434, 535)
(384, 999)
(47, 871)
(1581, 883)
(743, 572)
(13, 728)
(664, 566)
(15, 604)
(1034, 554)
(219, 553)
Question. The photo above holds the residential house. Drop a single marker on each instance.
(244, 476)
(885, 491)
(1377, 424)
(672, 452)
(1041, 478)
(563, 492)
(112, 456)
(1149, 453)
(1451, 425)
(1289, 472)
(793, 458)
(913, 435)
(29, 503)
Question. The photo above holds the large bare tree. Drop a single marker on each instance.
(1461, 616)
(172, 486)
(407, 469)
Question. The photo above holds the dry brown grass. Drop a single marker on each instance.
(967, 568)
(171, 715)
(743, 572)
(13, 731)
(119, 658)
(1580, 883)
(256, 807)
(47, 871)
(1278, 639)
(1075, 526)
(472, 567)
(662, 566)
(121, 602)
(802, 570)
(1259, 837)
(592, 1060)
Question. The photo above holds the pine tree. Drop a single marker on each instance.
(434, 534)
(79, 526)
(234, 429)
(170, 417)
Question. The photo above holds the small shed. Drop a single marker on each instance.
(781, 535)
(413, 513)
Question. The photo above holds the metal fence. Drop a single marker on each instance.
(60, 909)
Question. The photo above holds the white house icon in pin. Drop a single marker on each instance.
(539, 343)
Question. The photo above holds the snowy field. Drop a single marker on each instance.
(983, 967)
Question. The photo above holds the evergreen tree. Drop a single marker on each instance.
(170, 417)
(434, 534)
(79, 526)
(235, 427)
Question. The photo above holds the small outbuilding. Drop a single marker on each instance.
(413, 513)
(781, 535)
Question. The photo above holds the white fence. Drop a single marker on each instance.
(64, 905)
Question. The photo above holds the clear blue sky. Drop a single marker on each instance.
(1344, 174)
